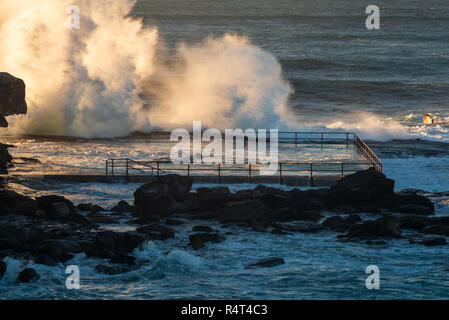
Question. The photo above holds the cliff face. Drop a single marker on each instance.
(12, 101)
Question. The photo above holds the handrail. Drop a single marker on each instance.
(368, 153)
(314, 166)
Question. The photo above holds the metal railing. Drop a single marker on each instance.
(369, 155)
(124, 167)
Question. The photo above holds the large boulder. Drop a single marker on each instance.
(56, 207)
(384, 227)
(107, 244)
(156, 231)
(197, 241)
(12, 95)
(170, 185)
(411, 204)
(16, 203)
(359, 188)
(156, 199)
(58, 249)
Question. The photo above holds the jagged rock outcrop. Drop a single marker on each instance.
(12, 101)
(12, 95)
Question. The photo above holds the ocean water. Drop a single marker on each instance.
(374, 82)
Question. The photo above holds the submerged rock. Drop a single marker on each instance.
(89, 207)
(102, 218)
(156, 231)
(206, 229)
(174, 222)
(373, 229)
(123, 259)
(437, 229)
(112, 270)
(122, 207)
(434, 242)
(197, 241)
(58, 249)
(268, 263)
(27, 276)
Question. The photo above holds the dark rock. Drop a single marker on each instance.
(170, 185)
(108, 243)
(123, 259)
(359, 188)
(173, 222)
(268, 263)
(220, 191)
(413, 222)
(15, 203)
(377, 243)
(58, 249)
(89, 207)
(3, 267)
(156, 231)
(8, 244)
(5, 159)
(264, 190)
(252, 212)
(112, 270)
(28, 275)
(122, 207)
(248, 194)
(380, 228)
(29, 160)
(197, 241)
(154, 207)
(56, 207)
(278, 231)
(102, 218)
(303, 227)
(292, 214)
(12, 95)
(410, 204)
(3, 122)
(434, 242)
(206, 229)
(438, 230)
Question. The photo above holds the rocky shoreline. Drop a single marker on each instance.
(362, 207)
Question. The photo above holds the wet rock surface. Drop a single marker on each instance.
(51, 230)
(268, 263)
(28, 275)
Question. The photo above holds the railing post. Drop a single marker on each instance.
(342, 170)
(107, 162)
(188, 169)
(219, 173)
(347, 139)
(157, 168)
(249, 172)
(112, 168)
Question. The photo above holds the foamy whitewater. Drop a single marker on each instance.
(295, 65)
